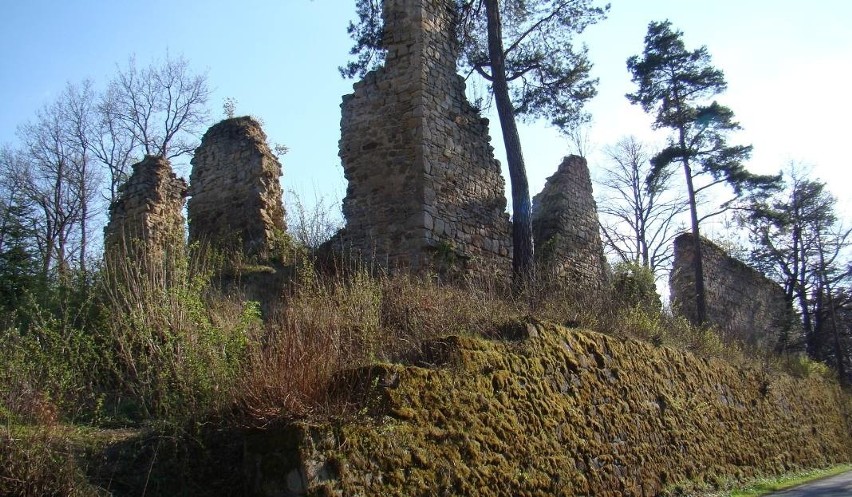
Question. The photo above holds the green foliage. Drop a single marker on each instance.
(670, 77)
(675, 83)
(802, 366)
(763, 486)
(548, 73)
(178, 346)
(633, 286)
(50, 361)
(799, 242)
(47, 370)
(367, 35)
(19, 264)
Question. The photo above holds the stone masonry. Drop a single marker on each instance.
(235, 191)
(565, 226)
(423, 181)
(742, 302)
(149, 209)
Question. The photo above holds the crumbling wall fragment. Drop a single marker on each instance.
(741, 302)
(565, 227)
(422, 176)
(235, 195)
(147, 217)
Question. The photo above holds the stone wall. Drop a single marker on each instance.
(149, 209)
(235, 191)
(423, 181)
(563, 412)
(565, 226)
(742, 302)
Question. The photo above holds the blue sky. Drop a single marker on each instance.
(788, 66)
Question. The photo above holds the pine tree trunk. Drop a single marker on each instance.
(522, 262)
(700, 302)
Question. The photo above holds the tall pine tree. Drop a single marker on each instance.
(676, 84)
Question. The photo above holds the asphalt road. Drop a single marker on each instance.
(836, 486)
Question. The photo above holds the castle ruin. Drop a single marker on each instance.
(235, 195)
(742, 302)
(565, 226)
(422, 175)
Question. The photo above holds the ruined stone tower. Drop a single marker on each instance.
(235, 192)
(147, 217)
(422, 175)
(565, 226)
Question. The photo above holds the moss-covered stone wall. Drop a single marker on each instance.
(561, 412)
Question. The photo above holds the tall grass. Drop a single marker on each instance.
(177, 344)
(330, 323)
(38, 464)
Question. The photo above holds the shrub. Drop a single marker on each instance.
(633, 286)
(178, 346)
(49, 367)
(326, 325)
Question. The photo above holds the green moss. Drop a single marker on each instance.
(572, 412)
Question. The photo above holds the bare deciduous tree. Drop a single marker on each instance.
(313, 225)
(162, 107)
(48, 178)
(78, 112)
(56, 176)
(638, 210)
(113, 145)
(579, 138)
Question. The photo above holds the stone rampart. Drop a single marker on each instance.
(565, 226)
(743, 303)
(561, 413)
(148, 214)
(235, 192)
(423, 181)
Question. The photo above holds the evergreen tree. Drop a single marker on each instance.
(675, 84)
(19, 266)
(800, 242)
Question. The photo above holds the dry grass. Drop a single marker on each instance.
(331, 323)
(173, 348)
(340, 321)
(36, 462)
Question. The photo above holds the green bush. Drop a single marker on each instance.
(178, 346)
(633, 286)
(50, 363)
